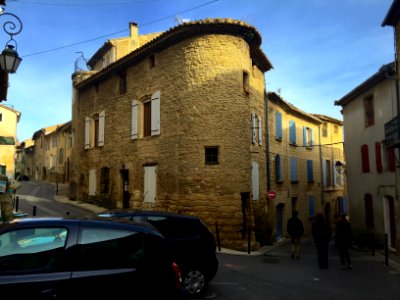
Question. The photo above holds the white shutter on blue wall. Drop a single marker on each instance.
(155, 113)
(134, 120)
(87, 133)
(102, 116)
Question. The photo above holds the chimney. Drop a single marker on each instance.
(134, 35)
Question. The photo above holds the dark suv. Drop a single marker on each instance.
(67, 259)
(190, 242)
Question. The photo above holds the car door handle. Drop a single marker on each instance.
(48, 294)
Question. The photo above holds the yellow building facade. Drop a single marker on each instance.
(302, 164)
(9, 119)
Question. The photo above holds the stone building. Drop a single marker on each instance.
(174, 121)
(64, 150)
(24, 160)
(43, 152)
(302, 153)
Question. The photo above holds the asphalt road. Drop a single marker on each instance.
(41, 195)
(275, 275)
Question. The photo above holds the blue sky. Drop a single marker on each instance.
(320, 49)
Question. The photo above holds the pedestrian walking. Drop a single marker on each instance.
(295, 230)
(343, 241)
(321, 232)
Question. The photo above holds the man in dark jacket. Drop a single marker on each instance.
(321, 232)
(295, 230)
(343, 241)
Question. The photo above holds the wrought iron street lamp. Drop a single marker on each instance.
(9, 59)
(339, 167)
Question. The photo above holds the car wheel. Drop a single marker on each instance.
(195, 283)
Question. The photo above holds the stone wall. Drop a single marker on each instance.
(202, 103)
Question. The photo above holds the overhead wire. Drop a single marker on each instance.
(119, 31)
(83, 4)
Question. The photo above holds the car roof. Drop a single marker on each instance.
(144, 227)
(132, 212)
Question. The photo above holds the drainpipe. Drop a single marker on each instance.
(267, 143)
(321, 161)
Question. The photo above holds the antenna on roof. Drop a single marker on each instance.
(179, 20)
(279, 91)
(78, 62)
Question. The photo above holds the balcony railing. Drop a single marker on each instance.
(392, 133)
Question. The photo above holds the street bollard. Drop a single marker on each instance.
(386, 250)
(34, 211)
(217, 233)
(249, 239)
(16, 203)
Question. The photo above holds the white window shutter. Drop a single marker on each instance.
(134, 127)
(155, 113)
(255, 180)
(92, 182)
(253, 127)
(259, 131)
(87, 133)
(101, 128)
(150, 183)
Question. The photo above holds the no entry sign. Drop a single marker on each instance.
(271, 194)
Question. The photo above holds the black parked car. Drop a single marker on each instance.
(66, 258)
(190, 242)
(23, 178)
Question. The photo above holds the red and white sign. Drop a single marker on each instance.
(271, 194)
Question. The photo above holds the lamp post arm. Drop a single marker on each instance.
(13, 26)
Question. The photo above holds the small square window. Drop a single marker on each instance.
(246, 84)
(152, 61)
(122, 83)
(211, 155)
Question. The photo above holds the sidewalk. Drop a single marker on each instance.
(62, 195)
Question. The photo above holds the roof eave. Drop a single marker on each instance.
(393, 15)
(181, 32)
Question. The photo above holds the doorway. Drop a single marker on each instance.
(125, 188)
(389, 219)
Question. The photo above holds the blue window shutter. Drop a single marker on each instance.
(278, 166)
(304, 135)
(344, 205)
(278, 125)
(312, 137)
(311, 205)
(310, 174)
(292, 132)
(324, 175)
(293, 169)
(334, 173)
